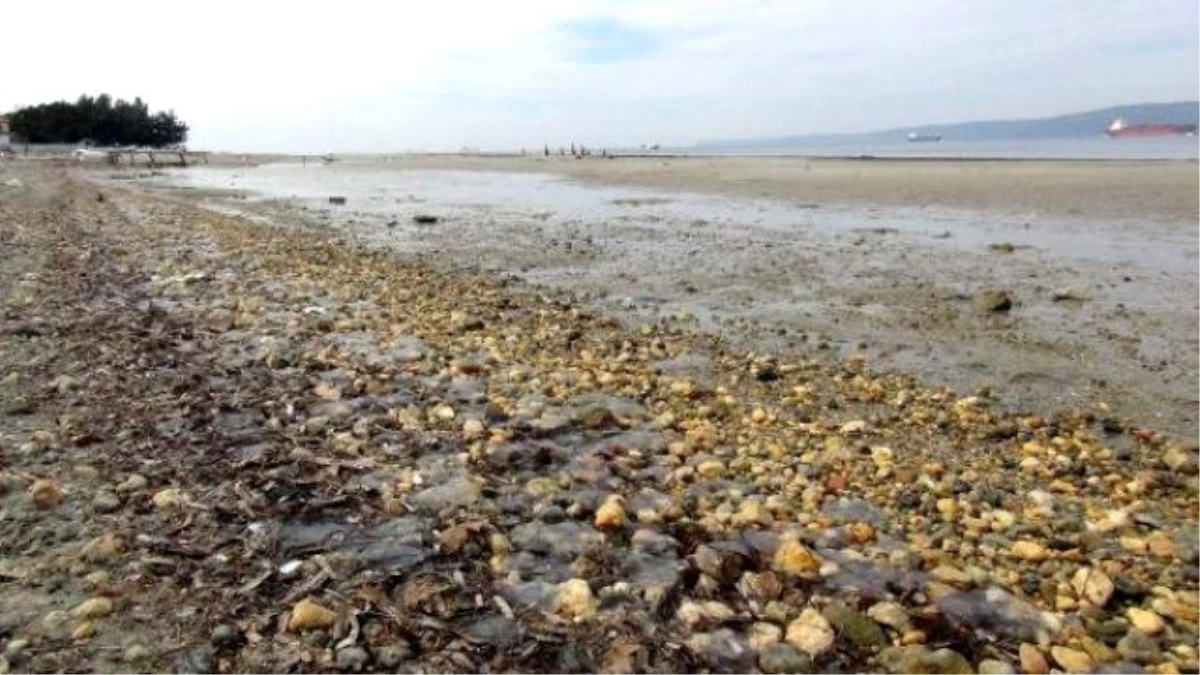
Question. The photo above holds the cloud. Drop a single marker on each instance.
(361, 76)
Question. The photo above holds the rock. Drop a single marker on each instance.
(917, 659)
(1033, 661)
(1161, 545)
(784, 658)
(1093, 585)
(169, 498)
(761, 634)
(133, 483)
(995, 667)
(1187, 545)
(1139, 647)
(1180, 460)
(104, 547)
(308, 615)
(352, 659)
(711, 469)
(722, 649)
(994, 301)
(890, 614)
(425, 219)
(46, 494)
(611, 514)
(705, 613)
(761, 587)
(1146, 621)
(392, 655)
(793, 558)
(198, 660)
(722, 563)
(83, 631)
(1029, 551)
(456, 493)
(1072, 660)
(105, 502)
(135, 653)
(574, 600)
(861, 631)
(93, 608)
(1068, 294)
(951, 575)
(811, 633)
(225, 636)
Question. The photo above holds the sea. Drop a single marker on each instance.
(1091, 148)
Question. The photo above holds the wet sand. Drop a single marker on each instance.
(1161, 191)
(1104, 310)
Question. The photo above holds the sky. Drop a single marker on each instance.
(351, 76)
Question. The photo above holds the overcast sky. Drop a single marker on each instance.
(443, 74)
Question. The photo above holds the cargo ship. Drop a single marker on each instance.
(1122, 129)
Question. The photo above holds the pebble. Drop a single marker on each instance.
(995, 667)
(136, 653)
(168, 498)
(1093, 585)
(392, 655)
(225, 636)
(1030, 551)
(890, 614)
(93, 608)
(104, 547)
(811, 633)
(853, 625)
(1139, 647)
(918, 659)
(46, 494)
(711, 469)
(1033, 661)
(83, 631)
(760, 634)
(1146, 621)
(762, 587)
(783, 658)
(133, 483)
(352, 658)
(951, 575)
(1072, 660)
(703, 613)
(793, 558)
(309, 615)
(105, 502)
(611, 514)
(574, 600)
(722, 565)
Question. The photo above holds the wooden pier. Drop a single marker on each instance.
(157, 156)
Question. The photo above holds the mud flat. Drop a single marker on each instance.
(233, 447)
(1052, 310)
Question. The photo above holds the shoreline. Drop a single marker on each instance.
(359, 461)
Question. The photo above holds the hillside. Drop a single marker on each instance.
(1075, 125)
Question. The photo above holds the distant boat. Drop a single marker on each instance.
(1122, 129)
(914, 137)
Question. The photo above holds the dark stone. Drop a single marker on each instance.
(425, 219)
(994, 301)
(390, 656)
(855, 626)
(199, 660)
(784, 658)
(225, 636)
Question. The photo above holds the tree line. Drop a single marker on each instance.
(99, 120)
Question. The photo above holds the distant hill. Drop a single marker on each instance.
(1077, 125)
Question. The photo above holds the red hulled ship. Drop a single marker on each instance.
(1122, 129)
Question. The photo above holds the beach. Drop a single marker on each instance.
(600, 416)
(1135, 190)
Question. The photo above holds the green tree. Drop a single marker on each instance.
(100, 120)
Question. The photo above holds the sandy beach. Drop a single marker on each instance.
(1162, 191)
(284, 435)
